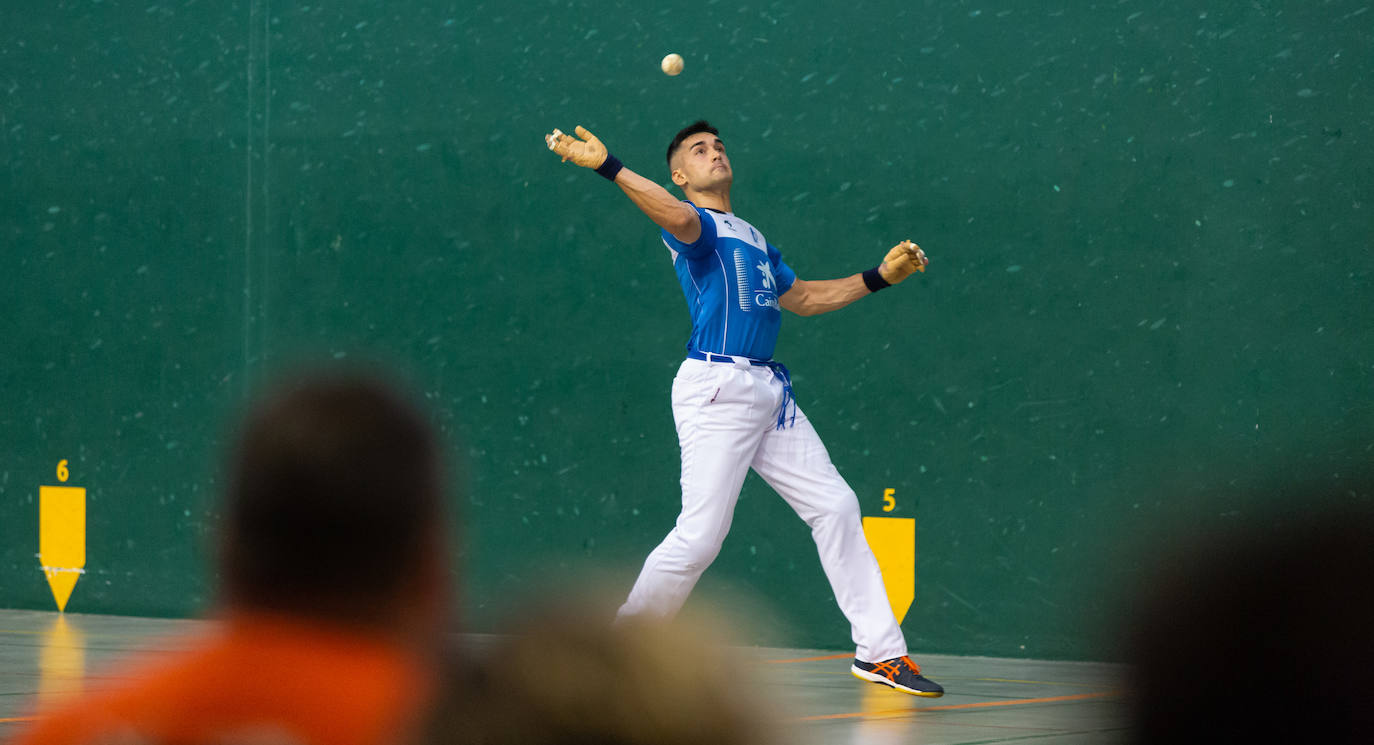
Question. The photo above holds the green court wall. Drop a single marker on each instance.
(1148, 302)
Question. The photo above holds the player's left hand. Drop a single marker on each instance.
(905, 259)
(587, 152)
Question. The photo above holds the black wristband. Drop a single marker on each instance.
(610, 167)
(873, 279)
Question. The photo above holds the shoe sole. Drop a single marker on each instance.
(876, 678)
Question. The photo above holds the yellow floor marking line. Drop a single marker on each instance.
(1031, 682)
(955, 707)
(980, 680)
(811, 659)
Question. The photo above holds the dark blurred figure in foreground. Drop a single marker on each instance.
(1263, 634)
(565, 676)
(334, 566)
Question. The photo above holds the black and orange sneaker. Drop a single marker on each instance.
(900, 673)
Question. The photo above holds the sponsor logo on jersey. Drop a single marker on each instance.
(748, 278)
(767, 271)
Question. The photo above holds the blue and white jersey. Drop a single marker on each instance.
(732, 279)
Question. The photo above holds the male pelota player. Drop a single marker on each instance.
(733, 403)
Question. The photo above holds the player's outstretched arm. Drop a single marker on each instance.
(809, 298)
(668, 212)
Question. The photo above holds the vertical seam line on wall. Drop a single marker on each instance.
(256, 231)
(264, 246)
(248, 199)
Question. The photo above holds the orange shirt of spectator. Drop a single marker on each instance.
(260, 680)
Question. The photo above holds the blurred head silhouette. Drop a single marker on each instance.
(567, 676)
(1263, 633)
(334, 507)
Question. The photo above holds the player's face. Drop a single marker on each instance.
(701, 163)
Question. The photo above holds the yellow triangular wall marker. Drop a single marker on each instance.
(62, 538)
(62, 583)
(893, 540)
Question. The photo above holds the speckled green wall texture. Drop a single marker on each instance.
(1149, 227)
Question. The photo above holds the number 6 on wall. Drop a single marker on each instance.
(62, 536)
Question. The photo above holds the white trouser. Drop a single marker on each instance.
(726, 423)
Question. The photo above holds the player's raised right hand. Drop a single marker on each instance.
(905, 259)
(587, 152)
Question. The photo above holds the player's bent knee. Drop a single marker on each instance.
(698, 554)
(843, 511)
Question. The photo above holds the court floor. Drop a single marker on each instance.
(988, 700)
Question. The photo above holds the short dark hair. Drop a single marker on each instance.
(700, 125)
(334, 496)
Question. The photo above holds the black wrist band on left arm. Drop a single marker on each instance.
(610, 167)
(873, 279)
